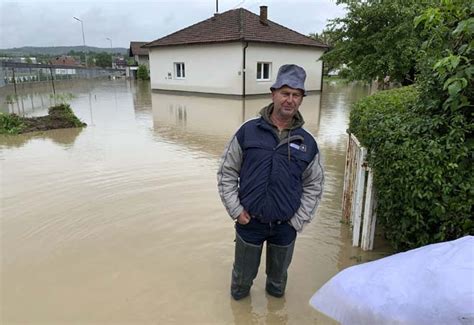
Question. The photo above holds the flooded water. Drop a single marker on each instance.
(121, 222)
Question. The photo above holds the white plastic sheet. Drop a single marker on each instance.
(431, 285)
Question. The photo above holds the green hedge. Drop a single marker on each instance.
(422, 172)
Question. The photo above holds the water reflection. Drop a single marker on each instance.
(206, 123)
(62, 137)
(141, 95)
(277, 312)
(274, 311)
(243, 312)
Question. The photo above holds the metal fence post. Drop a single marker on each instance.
(52, 80)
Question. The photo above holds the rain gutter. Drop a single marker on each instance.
(244, 65)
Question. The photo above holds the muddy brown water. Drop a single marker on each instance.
(121, 223)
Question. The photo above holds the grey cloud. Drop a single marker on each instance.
(50, 23)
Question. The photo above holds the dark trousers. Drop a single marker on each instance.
(280, 238)
(277, 233)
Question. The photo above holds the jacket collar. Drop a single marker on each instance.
(266, 112)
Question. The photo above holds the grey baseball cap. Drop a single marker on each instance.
(292, 76)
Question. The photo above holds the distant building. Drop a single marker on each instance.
(65, 60)
(120, 63)
(139, 54)
(236, 53)
(19, 59)
(28, 60)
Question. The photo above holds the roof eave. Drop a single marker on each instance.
(325, 47)
(286, 43)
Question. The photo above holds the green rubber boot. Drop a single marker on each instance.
(246, 263)
(278, 261)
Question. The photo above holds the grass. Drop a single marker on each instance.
(59, 117)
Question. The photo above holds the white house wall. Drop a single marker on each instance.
(217, 68)
(143, 59)
(278, 55)
(214, 68)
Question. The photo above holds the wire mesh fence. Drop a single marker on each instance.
(18, 73)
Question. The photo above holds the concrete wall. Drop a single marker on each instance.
(214, 68)
(217, 68)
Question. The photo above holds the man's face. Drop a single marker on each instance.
(286, 101)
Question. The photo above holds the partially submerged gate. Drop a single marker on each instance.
(358, 203)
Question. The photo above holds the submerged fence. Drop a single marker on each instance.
(358, 206)
(18, 73)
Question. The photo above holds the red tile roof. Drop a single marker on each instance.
(64, 60)
(137, 49)
(235, 25)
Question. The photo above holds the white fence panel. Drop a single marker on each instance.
(358, 198)
(368, 226)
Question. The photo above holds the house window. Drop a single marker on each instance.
(179, 70)
(263, 71)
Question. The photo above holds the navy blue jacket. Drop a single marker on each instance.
(270, 180)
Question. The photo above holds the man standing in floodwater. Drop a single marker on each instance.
(271, 180)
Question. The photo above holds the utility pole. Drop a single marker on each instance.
(83, 37)
(111, 51)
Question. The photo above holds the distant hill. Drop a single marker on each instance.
(58, 50)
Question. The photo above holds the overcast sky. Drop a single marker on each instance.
(50, 23)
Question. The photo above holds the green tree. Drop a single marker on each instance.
(446, 85)
(325, 38)
(103, 60)
(376, 39)
(90, 60)
(82, 57)
(420, 138)
(445, 59)
(142, 72)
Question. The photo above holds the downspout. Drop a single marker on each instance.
(244, 66)
(322, 70)
(322, 73)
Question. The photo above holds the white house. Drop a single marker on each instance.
(233, 53)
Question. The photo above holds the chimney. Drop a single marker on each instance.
(263, 15)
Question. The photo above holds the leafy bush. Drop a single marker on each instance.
(420, 138)
(10, 124)
(375, 118)
(64, 111)
(59, 117)
(142, 72)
